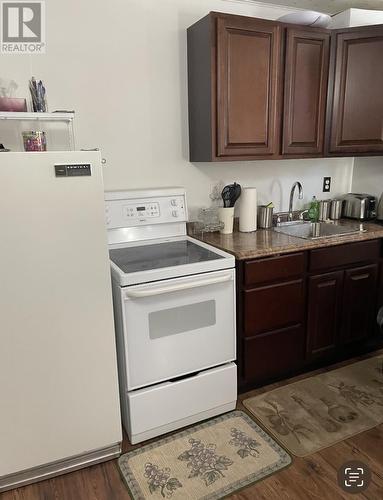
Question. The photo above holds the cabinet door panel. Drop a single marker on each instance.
(323, 313)
(306, 75)
(248, 60)
(380, 286)
(357, 114)
(359, 299)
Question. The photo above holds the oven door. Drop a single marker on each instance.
(178, 326)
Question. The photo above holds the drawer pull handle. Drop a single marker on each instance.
(360, 277)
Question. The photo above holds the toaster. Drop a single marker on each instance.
(359, 206)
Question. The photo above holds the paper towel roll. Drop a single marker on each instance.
(248, 210)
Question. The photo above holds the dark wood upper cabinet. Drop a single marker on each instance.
(305, 91)
(262, 89)
(234, 66)
(355, 112)
(248, 62)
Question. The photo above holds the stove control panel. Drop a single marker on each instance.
(142, 210)
(138, 212)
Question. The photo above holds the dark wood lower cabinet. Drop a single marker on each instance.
(380, 286)
(274, 353)
(359, 301)
(316, 306)
(379, 304)
(323, 320)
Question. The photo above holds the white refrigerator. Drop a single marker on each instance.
(59, 404)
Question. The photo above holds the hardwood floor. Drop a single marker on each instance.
(313, 477)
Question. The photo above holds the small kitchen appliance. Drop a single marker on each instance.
(379, 214)
(174, 302)
(359, 206)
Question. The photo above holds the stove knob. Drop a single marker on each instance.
(173, 203)
(174, 213)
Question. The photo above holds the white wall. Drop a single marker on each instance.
(368, 176)
(121, 65)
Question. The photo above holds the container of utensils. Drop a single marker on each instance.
(230, 195)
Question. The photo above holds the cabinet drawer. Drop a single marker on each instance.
(201, 394)
(344, 255)
(274, 268)
(273, 306)
(274, 353)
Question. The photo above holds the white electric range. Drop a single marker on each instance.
(174, 304)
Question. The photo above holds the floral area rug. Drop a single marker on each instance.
(207, 461)
(319, 411)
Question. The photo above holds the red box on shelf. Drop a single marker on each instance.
(13, 104)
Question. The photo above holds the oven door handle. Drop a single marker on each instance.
(151, 292)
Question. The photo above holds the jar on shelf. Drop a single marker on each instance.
(34, 141)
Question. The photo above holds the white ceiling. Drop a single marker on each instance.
(330, 6)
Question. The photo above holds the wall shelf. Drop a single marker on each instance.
(29, 116)
(58, 127)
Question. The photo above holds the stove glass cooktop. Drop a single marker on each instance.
(147, 257)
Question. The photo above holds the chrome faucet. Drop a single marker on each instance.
(300, 196)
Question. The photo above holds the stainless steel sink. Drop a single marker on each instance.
(317, 230)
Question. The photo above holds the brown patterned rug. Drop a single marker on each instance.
(319, 411)
(207, 461)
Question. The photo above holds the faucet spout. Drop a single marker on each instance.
(300, 196)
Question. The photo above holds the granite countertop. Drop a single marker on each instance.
(264, 242)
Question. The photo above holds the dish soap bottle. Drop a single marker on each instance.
(313, 211)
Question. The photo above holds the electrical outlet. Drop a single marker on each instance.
(326, 184)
